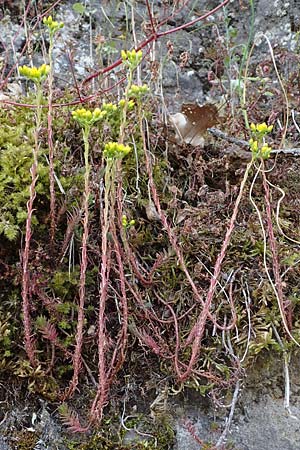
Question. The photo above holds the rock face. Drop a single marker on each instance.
(260, 421)
(93, 36)
(266, 426)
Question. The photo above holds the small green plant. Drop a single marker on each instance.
(6, 337)
(138, 92)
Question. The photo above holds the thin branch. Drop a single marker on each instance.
(222, 135)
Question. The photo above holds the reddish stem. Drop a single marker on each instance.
(197, 331)
(286, 315)
(29, 343)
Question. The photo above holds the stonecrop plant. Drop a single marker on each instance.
(37, 75)
(53, 28)
(86, 119)
(139, 262)
(258, 145)
(138, 92)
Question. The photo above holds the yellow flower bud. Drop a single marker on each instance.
(123, 55)
(262, 127)
(131, 104)
(86, 117)
(131, 58)
(114, 150)
(109, 107)
(36, 74)
(266, 151)
(52, 25)
(253, 145)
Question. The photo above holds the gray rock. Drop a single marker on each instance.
(3, 444)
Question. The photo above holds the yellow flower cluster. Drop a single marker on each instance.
(35, 74)
(130, 104)
(86, 117)
(253, 145)
(258, 151)
(109, 107)
(257, 144)
(131, 58)
(114, 150)
(138, 91)
(265, 151)
(112, 112)
(126, 223)
(262, 128)
(52, 25)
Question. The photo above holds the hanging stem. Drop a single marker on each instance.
(99, 401)
(83, 266)
(26, 296)
(51, 147)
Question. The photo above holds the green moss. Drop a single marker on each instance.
(7, 334)
(157, 436)
(16, 144)
(25, 440)
(64, 284)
